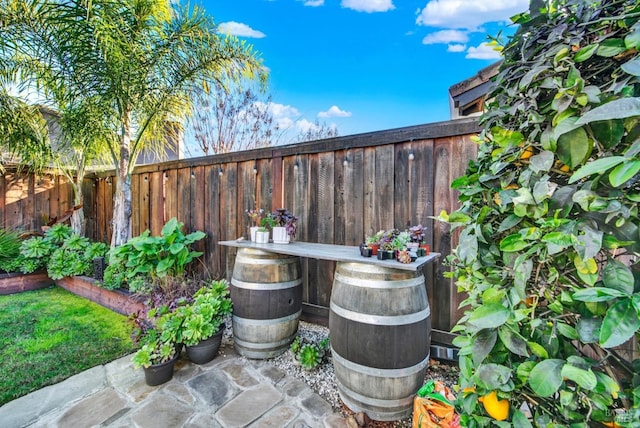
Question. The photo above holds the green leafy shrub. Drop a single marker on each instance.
(200, 317)
(75, 257)
(310, 354)
(145, 257)
(35, 252)
(10, 243)
(550, 231)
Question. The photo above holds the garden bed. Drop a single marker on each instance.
(17, 282)
(117, 300)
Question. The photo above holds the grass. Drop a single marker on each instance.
(50, 334)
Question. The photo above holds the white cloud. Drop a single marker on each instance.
(456, 48)
(283, 115)
(368, 5)
(334, 111)
(445, 36)
(484, 51)
(313, 3)
(239, 29)
(304, 125)
(468, 14)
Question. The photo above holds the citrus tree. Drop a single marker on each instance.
(550, 236)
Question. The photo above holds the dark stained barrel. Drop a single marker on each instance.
(380, 324)
(266, 291)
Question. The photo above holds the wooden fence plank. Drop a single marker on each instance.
(370, 196)
(135, 205)
(383, 188)
(170, 194)
(184, 197)
(3, 207)
(212, 258)
(442, 236)
(144, 201)
(156, 202)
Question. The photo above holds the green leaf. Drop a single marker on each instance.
(597, 294)
(483, 343)
(492, 376)
(585, 53)
(566, 330)
(588, 329)
(624, 172)
(509, 222)
(619, 324)
(632, 67)
(608, 132)
(164, 265)
(617, 109)
(513, 243)
(543, 161)
(513, 341)
(546, 377)
(467, 247)
(520, 420)
(618, 276)
(504, 137)
(585, 378)
(632, 39)
(489, 316)
(171, 226)
(574, 147)
(611, 47)
(538, 350)
(176, 247)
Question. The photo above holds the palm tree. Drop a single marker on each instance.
(23, 132)
(139, 59)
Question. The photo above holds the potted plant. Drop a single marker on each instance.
(199, 324)
(285, 228)
(267, 223)
(157, 355)
(387, 247)
(255, 216)
(373, 242)
(416, 237)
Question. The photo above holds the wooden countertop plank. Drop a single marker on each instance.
(338, 253)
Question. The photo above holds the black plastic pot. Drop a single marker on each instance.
(206, 349)
(160, 373)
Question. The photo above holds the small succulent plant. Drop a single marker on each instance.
(310, 354)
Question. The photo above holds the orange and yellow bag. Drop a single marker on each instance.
(433, 407)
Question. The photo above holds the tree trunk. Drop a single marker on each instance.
(77, 218)
(78, 223)
(121, 209)
(122, 198)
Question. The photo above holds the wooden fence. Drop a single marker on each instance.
(341, 189)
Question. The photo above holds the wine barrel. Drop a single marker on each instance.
(266, 291)
(380, 324)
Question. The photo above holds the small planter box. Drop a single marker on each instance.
(116, 300)
(11, 283)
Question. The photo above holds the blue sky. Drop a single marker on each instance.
(365, 65)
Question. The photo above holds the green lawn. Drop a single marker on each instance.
(49, 335)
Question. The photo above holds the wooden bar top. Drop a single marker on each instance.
(338, 253)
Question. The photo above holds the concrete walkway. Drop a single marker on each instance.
(230, 391)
